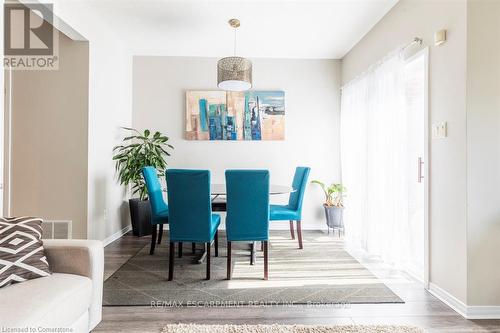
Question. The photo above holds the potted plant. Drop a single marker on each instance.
(334, 195)
(137, 151)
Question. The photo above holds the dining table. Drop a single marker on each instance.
(218, 193)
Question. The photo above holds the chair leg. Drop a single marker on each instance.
(252, 251)
(266, 260)
(229, 264)
(193, 247)
(160, 234)
(216, 243)
(208, 260)
(153, 239)
(299, 234)
(292, 233)
(180, 249)
(171, 261)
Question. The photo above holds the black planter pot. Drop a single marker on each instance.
(140, 214)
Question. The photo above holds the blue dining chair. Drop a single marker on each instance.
(293, 211)
(190, 212)
(159, 209)
(247, 210)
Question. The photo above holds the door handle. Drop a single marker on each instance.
(420, 170)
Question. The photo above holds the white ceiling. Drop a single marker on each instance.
(273, 29)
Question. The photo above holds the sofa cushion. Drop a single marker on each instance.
(57, 300)
(21, 250)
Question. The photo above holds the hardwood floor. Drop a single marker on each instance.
(420, 308)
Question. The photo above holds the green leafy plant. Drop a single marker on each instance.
(334, 194)
(137, 151)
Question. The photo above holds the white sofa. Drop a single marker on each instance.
(69, 300)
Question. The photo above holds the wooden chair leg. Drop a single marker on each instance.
(180, 249)
(229, 264)
(193, 248)
(153, 239)
(266, 260)
(208, 260)
(171, 261)
(292, 233)
(216, 243)
(299, 234)
(160, 234)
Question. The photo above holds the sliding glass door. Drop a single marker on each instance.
(415, 97)
(383, 153)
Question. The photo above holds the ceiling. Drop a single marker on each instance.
(271, 29)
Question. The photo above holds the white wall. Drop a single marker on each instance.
(312, 120)
(110, 107)
(447, 86)
(483, 140)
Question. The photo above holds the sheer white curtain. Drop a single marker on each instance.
(374, 162)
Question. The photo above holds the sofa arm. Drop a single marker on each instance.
(80, 257)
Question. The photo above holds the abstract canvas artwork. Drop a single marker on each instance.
(221, 115)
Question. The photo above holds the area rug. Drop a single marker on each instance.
(323, 273)
(191, 328)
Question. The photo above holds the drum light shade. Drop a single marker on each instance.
(234, 74)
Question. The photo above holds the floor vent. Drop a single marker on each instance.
(57, 229)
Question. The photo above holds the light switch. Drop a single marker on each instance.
(439, 130)
(439, 37)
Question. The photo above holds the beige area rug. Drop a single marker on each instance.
(192, 328)
(322, 273)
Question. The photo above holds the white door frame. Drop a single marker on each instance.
(425, 52)
(2, 117)
(7, 154)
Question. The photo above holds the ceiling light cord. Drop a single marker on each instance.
(234, 50)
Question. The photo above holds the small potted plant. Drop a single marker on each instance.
(334, 195)
(137, 151)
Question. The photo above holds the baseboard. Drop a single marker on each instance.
(448, 299)
(466, 311)
(116, 235)
(483, 312)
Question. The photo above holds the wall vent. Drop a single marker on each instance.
(57, 229)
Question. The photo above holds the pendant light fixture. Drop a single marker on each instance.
(234, 73)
